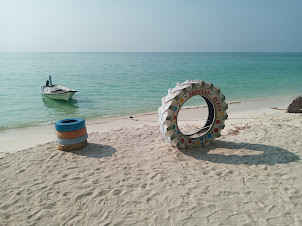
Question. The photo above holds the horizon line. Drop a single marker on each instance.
(150, 51)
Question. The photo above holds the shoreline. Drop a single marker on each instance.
(13, 140)
(287, 97)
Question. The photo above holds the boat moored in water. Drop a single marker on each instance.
(57, 91)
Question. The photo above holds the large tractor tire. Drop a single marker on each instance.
(172, 103)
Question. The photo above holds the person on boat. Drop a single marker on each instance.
(47, 83)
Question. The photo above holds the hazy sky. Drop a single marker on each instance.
(152, 26)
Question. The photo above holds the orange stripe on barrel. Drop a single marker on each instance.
(71, 134)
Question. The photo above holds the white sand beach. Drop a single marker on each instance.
(129, 175)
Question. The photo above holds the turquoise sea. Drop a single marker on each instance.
(115, 84)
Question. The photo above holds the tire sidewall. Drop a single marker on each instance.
(72, 141)
(71, 134)
(75, 124)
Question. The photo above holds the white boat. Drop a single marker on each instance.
(57, 91)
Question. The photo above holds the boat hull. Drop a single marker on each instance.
(58, 92)
(61, 96)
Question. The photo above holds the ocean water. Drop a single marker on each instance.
(115, 84)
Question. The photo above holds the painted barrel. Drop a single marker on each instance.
(71, 134)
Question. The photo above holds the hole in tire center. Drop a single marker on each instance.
(69, 121)
(195, 117)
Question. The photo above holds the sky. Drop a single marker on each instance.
(151, 26)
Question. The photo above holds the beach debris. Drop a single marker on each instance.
(277, 108)
(295, 106)
(237, 129)
(71, 134)
(172, 103)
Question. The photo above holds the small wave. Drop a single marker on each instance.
(235, 102)
(194, 107)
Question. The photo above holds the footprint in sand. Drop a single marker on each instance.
(230, 172)
(116, 192)
(295, 199)
(84, 195)
(218, 174)
(21, 171)
(282, 220)
(50, 148)
(104, 192)
(143, 186)
(58, 182)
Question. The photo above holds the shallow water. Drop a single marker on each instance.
(112, 84)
